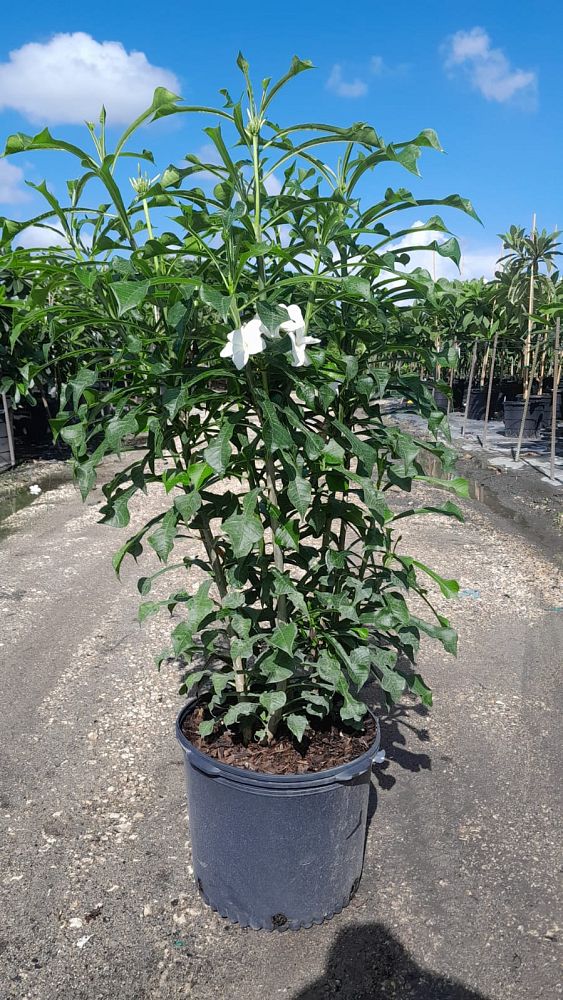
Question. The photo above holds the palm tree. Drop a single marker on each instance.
(528, 264)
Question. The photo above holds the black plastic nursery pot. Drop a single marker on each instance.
(276, 852)
(511, 388)
(441, 400)
(538, 417)
(478, 403)
(459, 388)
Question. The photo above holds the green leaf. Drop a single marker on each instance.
(297, 66)
(283, 637)
(116, 511)
(75, 436)
(216, 300)
(218, 452)
(356, 286)
(129, 294)
(232, 601)
(352, 710)
(273, 701)
(297, 724)
(199, 473)
(299, 494)
(449, 588)
(287, 535)
(398, 606)
(175, 399)
(446, 635)
(392, 683)
(241, 708)
(132, 547)
(187, 505)
(162, 540)
(317, 704)
(85, 474)
(81, 381)
(333, 453)
(329, 669)
(118, 428)
(206, 727)
(359, 665)
(243, 531)
(284, 585)
(242, 648)
(448, 508)
(457, 485)
(335, 559)
(374, 499)
(197, 608)
(273, 669)
(146, 609)
(163, 98)
(271, 314)
(276, 436)
(418, 687)
(366, 454)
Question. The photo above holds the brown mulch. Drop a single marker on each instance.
(324, 747)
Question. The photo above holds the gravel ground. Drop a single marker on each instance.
(458, 899)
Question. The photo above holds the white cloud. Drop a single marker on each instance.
(480, 263)
(489, 70)
(68, 78)
(475, 263)
(272, 184)
(379, 67)
(345, 88)
(38, 237)
(11, 178)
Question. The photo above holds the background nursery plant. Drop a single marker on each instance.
(249, 335)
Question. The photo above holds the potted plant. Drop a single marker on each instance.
(529, 262)
(251, 341)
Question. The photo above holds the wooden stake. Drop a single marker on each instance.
(528, 341)
(541, 371)
(469, 385)
(450, 397)
(490, 388)
(484, 366)
(554, 398)
(9, 429)
(527, 395)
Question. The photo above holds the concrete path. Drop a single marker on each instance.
(459, 895)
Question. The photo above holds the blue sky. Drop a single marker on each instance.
(486, 76)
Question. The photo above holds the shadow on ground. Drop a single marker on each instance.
(393, 740)
(367, 963)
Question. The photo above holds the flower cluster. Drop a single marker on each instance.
(250, 338)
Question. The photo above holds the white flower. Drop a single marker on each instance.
(142, 183)
(245, 340)
(295, 328)
(379, 757)
(248, 339)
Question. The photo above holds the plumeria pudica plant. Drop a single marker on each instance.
(242, 315)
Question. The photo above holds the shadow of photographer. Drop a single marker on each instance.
(366, 962)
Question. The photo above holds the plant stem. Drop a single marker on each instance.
(207, 539)
(270, 468)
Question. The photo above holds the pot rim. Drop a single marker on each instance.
(345, 772)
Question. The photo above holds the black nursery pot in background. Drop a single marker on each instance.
(441, 400)
(276, 852)
(538, 417)
(478, 403)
